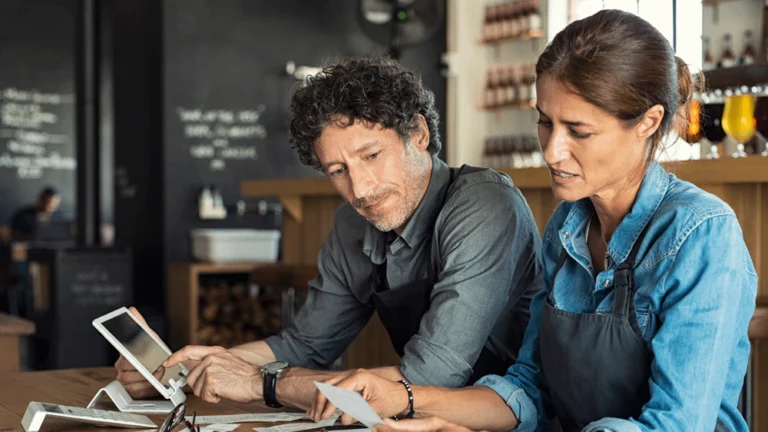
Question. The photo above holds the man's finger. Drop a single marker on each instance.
(135, 313)
(191, 352)
(130, 377)
(197, 373)
(122, 364)
(209, 394)
(198, 386)
(328, 412)
(140, 390)
(347, 419)
(318, 405)
(159, 373)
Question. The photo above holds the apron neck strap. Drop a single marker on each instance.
(624, 280)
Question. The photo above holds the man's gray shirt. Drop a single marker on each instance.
(484, 249)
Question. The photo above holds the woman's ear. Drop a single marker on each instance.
(651, 122)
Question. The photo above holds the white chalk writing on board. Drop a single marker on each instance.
(27, 144)
(93, 287)
(220, 135)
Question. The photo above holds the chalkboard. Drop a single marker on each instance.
(37, 145)
(227, 94)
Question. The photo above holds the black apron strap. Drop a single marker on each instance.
(560, 261)
(624, 283)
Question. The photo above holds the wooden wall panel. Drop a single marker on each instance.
(319, 213)
(542, 204)
(372, 348)
(762, 262)
(745, 201)
(291, 240)
(760, 386)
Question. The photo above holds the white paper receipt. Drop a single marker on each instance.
(296, 427)
(249, 418)
(351, 403)
(229, 427)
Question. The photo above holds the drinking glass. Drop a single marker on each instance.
(739, 120)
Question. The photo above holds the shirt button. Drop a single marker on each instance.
(589, 266)
(565, 234)
(606, 283)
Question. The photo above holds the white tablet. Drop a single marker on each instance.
(142, 348)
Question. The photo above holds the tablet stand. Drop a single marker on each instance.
(125, 403)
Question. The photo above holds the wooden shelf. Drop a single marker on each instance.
(223, 268)
(289, 192)
(319, 186)
(736, 76)
(531, 104)
(753, 169)
(184, 289)
(534, 34)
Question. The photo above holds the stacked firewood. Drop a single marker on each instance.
(237, 313)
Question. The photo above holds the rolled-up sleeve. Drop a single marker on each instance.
(524, 387)
(488, 245)
(329, 320)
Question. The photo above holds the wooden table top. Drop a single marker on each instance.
(12, 325)
(76, 387)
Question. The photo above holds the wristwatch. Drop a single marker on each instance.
(270, 372)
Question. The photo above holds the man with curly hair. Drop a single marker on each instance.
(447, 257)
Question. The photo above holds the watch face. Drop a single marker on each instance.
(275, 367)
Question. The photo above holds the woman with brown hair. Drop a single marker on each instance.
(650, 284)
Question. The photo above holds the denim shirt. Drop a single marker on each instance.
(695, 295)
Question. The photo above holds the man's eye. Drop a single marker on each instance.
(373, 155)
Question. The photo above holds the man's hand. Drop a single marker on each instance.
(429, 424)
(388, 398)
(220, 374)
(132, 380)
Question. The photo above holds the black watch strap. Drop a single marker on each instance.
(270, 393)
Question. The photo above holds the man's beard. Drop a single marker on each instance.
(415, 176)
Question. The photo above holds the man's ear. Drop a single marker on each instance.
(420, 136)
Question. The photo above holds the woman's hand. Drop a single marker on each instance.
(388, 398)
(429, 424)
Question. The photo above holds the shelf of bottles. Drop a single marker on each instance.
(510, 86)
(728, 58)
(512, 151)
(731, 122)
(512, 20)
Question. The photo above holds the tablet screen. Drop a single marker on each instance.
(139, 343)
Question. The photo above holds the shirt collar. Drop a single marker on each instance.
(649, 197)
(421, 222)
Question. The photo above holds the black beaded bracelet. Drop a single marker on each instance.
(410, 398)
